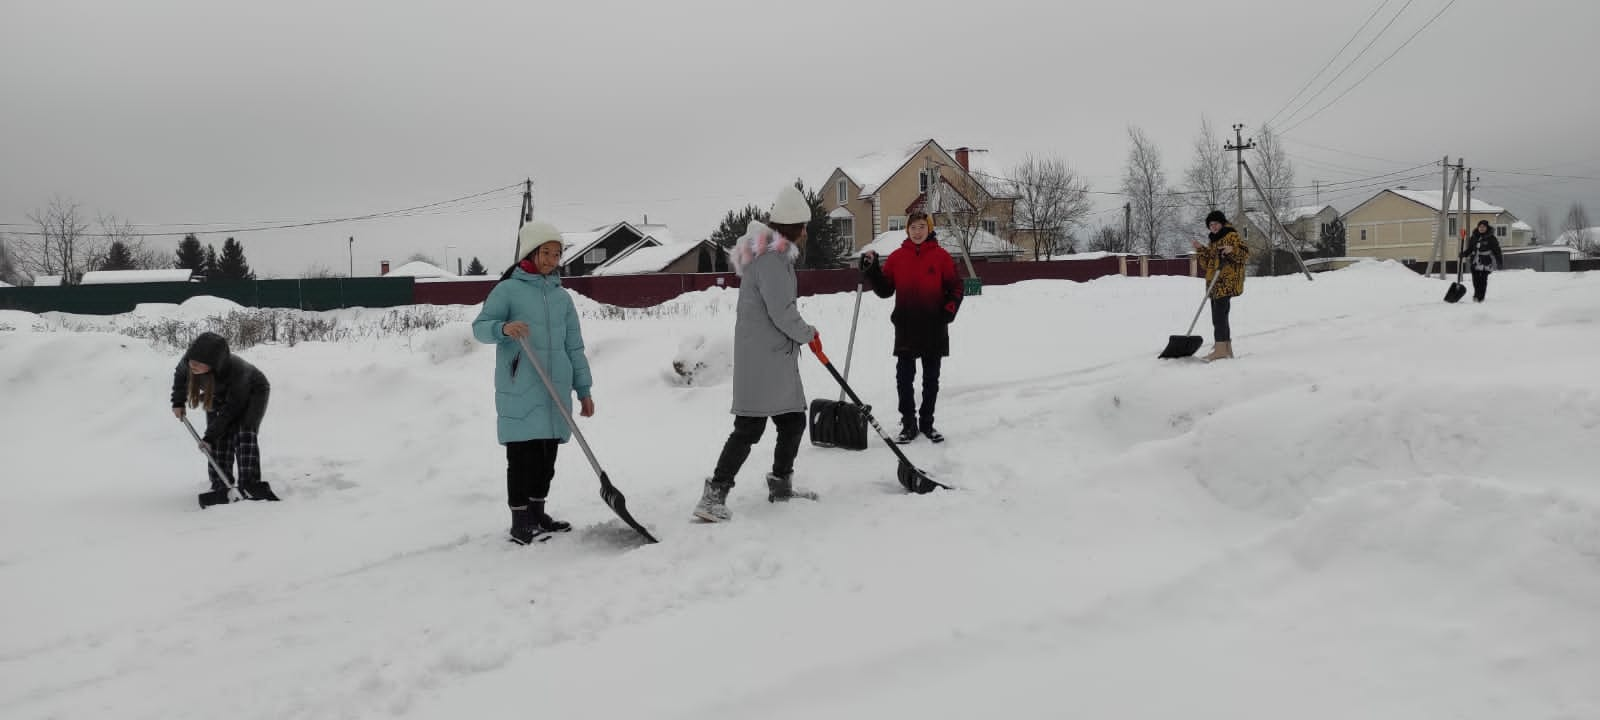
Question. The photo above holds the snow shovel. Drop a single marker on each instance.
(1457, 290)
(233, 493)
(1182, 346)
(609, 493)
(838, 423)
(910, 477)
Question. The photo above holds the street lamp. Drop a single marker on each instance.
(451, 251)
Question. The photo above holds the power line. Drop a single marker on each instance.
(1352, 62)
(1328, 64)
(402, 212)
(1375, 68)
(1536, 174)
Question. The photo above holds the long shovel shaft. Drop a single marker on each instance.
(850, 349)
(209, 459)
(608, 492)
(868, 413)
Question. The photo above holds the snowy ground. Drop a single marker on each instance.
(1387, 507)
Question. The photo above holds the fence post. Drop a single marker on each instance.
(1144, 266)
(1122, 265)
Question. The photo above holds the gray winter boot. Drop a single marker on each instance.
(525, 526)
(713, 502)
(781, 488)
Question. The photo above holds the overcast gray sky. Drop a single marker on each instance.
(200, 111)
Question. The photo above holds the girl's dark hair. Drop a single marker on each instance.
(918, 215)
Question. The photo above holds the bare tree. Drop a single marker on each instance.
(1209, 178)
(1051, 199)
(1276, 175)
(1107, 239)
(1577, 231)
(115, 230)
(1544, 228)
(60, 246)
(1145, 184)
(966, 208)
(423, 257)
(318, 271)
(10, 269)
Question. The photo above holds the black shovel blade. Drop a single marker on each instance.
(619, 505)
(1455, 293)
(1182, 346)
(916, 480)
(213, 497)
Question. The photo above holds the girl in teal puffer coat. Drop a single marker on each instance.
(529, 303)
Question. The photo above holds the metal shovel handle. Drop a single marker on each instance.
(213, 461)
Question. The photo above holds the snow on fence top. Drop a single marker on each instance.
(122, 277)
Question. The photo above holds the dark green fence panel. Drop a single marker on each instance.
(319, 294)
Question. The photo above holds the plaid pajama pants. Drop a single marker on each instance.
(243, 446)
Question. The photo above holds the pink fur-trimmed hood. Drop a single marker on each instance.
(758, 240)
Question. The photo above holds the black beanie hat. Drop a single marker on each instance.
(210, 348)
(1216, 216)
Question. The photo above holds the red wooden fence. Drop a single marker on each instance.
(639, 291)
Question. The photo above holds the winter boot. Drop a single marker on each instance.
(931, 433)
(547, 524)
(781, 488)
(908, 432)
(713, 505)
(1220, 351)
(524, 526)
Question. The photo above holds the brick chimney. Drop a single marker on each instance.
(961, 159)
(383, 267)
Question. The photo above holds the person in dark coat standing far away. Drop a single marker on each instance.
(1483, 251)
(767, 338)
(921, 276)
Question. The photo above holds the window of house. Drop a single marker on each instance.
(1452, 231)
(847, 230)
(922, 181)
(897, 222)
(844, 191)
(1500, 231)
(990, 226)
(595, 256)
(1363, 235)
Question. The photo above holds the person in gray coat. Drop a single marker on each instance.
(767, 337)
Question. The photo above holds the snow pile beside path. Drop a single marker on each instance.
(703, 361)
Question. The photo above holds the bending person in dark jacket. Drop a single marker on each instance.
(927, 293)
(1483, 248)
(234, 394)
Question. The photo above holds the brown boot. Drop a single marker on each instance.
(1220, 351)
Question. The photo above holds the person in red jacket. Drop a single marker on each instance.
(927, 293)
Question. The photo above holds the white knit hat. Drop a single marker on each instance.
(533, 235)
(790, 208)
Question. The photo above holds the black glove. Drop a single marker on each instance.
(868, 263)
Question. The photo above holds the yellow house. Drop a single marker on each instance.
(1401, 224)
(874, 193)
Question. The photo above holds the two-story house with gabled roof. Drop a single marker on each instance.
(873, 193)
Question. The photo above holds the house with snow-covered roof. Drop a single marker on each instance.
(1401, 224)
(623, 248)
(874, 193)
(1305, 224)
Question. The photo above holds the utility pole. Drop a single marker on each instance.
(1316, 190)
(352, 256)
(1237, 148)
(1451, 185)
(1466, 213)
(526, 216)
(1127, 226)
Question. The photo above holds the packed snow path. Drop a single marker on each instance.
(1386, 507)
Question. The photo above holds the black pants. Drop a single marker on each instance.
(747, 432)
(905, 379)
(530, 466)
(1219, 319)
(243, 446)
(1480, 284)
